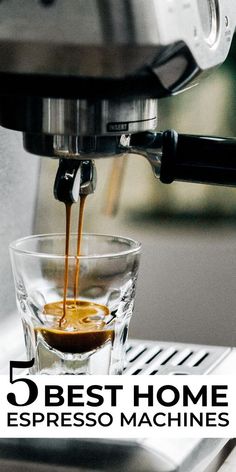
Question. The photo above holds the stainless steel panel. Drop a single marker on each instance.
(110, 38)
(173, 455)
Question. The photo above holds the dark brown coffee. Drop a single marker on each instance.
(67, 248)
(79, 241)
(84, 328)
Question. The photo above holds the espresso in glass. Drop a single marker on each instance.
(75, 326)
(86, 335)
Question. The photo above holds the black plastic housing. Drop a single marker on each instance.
(203, 159)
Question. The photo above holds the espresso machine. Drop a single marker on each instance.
(81, 79)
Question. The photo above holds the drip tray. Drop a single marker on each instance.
(151, 358)
(70, 455)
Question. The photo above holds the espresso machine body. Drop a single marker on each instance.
(79, 78)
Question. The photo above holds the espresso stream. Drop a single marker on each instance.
(79, 241)
(76, 326)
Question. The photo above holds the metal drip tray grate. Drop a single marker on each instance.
(153, 358)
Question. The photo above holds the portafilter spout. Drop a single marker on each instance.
(74, 178)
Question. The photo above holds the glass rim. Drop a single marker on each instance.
(135, 246)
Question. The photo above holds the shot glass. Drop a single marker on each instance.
(82, 331)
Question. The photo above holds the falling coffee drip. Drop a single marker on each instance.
(67, 249)
(76, 326)
(79, 241)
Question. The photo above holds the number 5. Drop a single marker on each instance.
(33, 389)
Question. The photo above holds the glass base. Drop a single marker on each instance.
(51, 362)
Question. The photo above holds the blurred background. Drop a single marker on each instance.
(187, 282)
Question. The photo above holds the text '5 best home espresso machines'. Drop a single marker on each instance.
(81, 79)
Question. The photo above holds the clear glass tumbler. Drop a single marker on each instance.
(84, 332)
